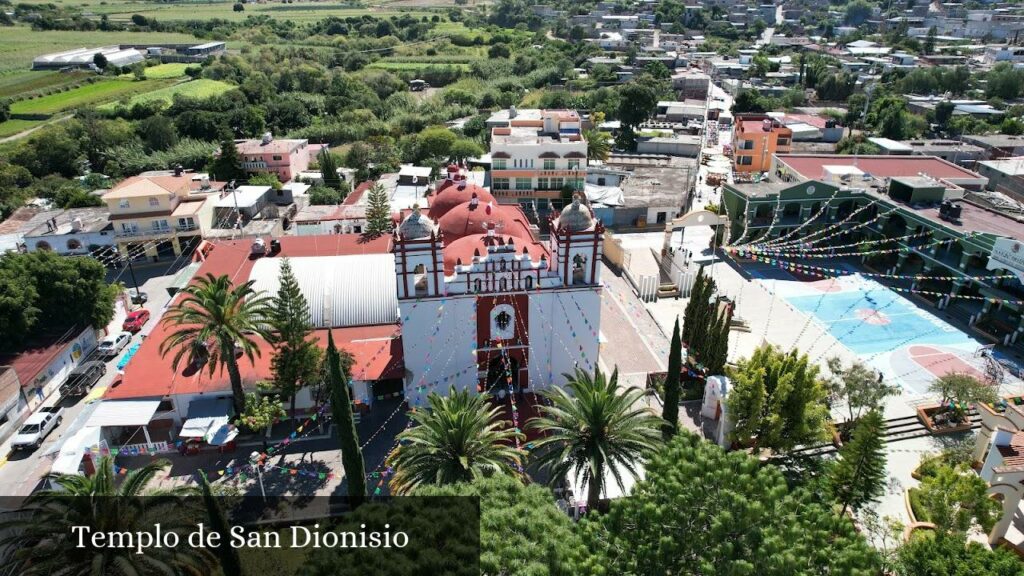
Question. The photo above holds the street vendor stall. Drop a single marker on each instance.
(208, 422)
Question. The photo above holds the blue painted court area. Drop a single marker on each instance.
(871, 319)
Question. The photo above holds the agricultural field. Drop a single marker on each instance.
(12, 127)
(89, 95)
(20, 44)
(300, 11)
(166, 71)
(19, 83)
(202, 88)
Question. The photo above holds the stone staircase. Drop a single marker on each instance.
(896, 430)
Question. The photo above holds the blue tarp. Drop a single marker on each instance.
(128, 356)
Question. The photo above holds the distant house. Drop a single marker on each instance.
(73, 231)
(285, 158)
(85, 58)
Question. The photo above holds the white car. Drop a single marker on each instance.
(36, 428)
(113, 344)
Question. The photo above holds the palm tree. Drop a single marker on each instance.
(591, 429)
(459, 438)
(213, 321)
(599, 146)
(38, 539)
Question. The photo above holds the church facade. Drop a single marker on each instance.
(485, 305)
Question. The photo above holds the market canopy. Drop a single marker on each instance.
(123, 413)
(70, 456)
(208, 418)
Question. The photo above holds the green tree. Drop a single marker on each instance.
(213, 322)
(777, 400)
(955, 498)
(320, 195)
(858, 478)
(592, 431)
(158, 133)
(341, 410)
(599, 145)
(944, 112)
(857, 144)
(675, 367)
(464, 148)
(510, 513)
(296, 362)
(929, 41)
(378, 211)
(706, 327)
(100, 61)
(265, 179)
(5, 110)
(458, 438)
(329, 170)
(261, 412)
(230, 564)
(227, 165)
(701, 510)
(890, 118)
(39, 540)
(857, 12)
(951, 555)
(959, 390)
(857, 386)
(639, 101)
(749, 101)
(435, 142)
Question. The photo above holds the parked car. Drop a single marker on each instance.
(83, 378)
(135, 321)
(137, 296)
(113, 344)
(37, 428)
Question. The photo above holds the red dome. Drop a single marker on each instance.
(449, 196)
(468, 246)
(466, 220)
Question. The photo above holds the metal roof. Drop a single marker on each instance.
(123, 413)
(355, 290)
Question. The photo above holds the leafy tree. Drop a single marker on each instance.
(857, 144)
(435, 142)
(230, 564)
(464, 148)
(675, 366)
(705, 328)
(329, 170)
(890, 118)
(458, 438)
(39, 540)
(261, 412)
(265, 179)
(599, 145)
(341, 410)
(214, 321)
(944, 112)
(100, 61)
(777, 400)
(158, 132)
(50, 151)
(5, 110)
(320, 195)
(593, 431)
(378, 211)
(959, 390)
(1011, 127)
(857, 12)
(701, 510)
(296, 360)
(510, 514)
(48, 293)
(955, 498)
(228, 164)
(929, 41)
(639, 101)
(858, 478)
(749, 101)
(1004, 81)
(857, 386)
(238, 7)
(952, 555)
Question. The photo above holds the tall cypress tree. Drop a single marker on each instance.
(378, 211)
(228, 164)
(329, 169)
(675, 365)
(858, 478)
(296, 361)
(341, 408)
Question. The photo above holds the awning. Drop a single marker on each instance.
(124, 413)
(208, 419)
(70, 456)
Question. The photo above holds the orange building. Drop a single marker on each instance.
(755, 139)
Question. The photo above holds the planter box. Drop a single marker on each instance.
(924, 413)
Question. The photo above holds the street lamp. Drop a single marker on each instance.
(254, 458)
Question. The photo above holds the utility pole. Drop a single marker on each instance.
(138, 292)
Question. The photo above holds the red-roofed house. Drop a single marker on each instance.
(285, 158)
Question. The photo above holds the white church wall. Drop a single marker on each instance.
(560, 339)
(438, 342)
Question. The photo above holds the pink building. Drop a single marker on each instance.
(286, 158)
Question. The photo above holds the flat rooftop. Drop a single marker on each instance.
(88, 220)
(812, 167)
(530, 135)
(1008, 166)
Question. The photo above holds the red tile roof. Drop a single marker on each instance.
(150, 375)
(355, 195)
(28, 363)
(812, 166)
(1013, 454)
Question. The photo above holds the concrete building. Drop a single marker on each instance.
(160, 216)
(71, 232)
(1005, 175)
(966, 155)
(756, 139)
(285, 158)
(997, 145)
(536, 155)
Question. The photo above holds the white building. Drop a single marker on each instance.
(537, 154)
(85, 58)
(73, 231)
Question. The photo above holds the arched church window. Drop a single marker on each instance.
(579, 263)
(504, 265)
(420, 276)
(503, 284)
(529, 282)
(503, 320)
(477, 285)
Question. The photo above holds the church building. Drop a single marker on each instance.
(484, 304)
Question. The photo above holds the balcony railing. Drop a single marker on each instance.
(147, 233)
(187, 228)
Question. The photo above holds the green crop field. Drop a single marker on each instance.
(301, 11)
(164, 71)
(91, 94)
(12, 127)
(23, 82)
(202, 88)
(20, 44)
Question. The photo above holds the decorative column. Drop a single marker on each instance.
(963, 260)
(1011, 500)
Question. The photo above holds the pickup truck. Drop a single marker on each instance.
(82, 378)
(37, 428)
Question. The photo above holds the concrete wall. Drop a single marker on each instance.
(438, 341)
(50, 378)
(561, 338)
